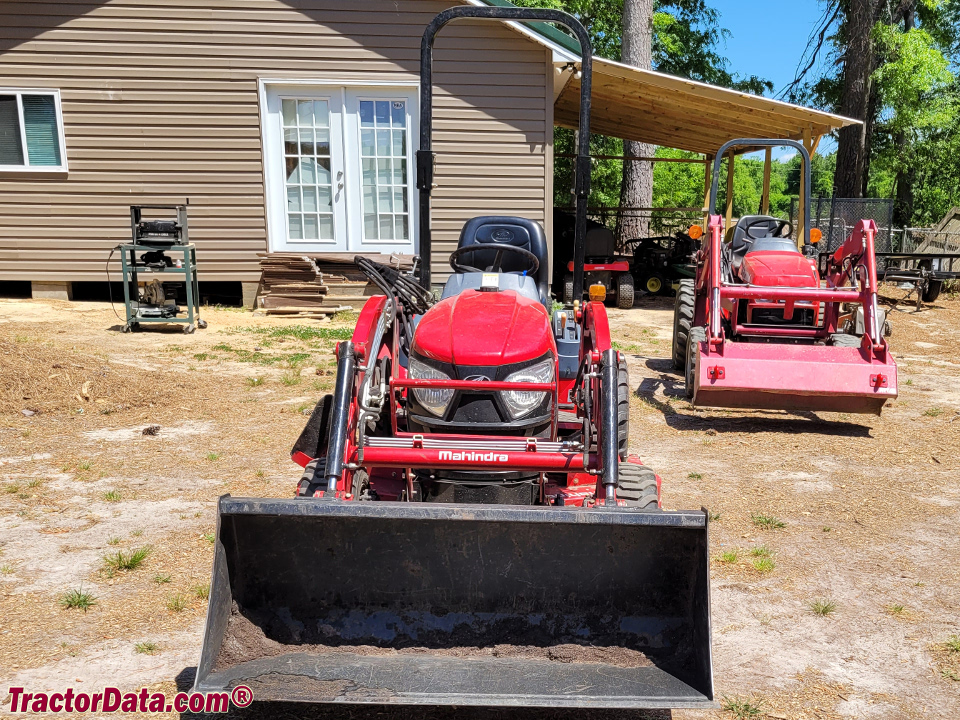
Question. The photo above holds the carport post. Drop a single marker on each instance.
(767, 163)
(810, 142)
(730, 164)
(707, 167)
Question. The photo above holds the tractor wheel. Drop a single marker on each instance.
(697, 336)
(683, 309)
(568, 289)
(625, 291)
(845, 340)
(638, 486)
(312, 481)
(654, 284)
(623, 407)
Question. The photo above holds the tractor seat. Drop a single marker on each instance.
(504, 230)
(763, 227)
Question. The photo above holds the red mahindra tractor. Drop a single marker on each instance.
(759, 328)
(468, 529)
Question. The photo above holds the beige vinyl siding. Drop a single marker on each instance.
(160, 103)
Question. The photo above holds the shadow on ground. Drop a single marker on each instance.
(302, 711)
(770, 421)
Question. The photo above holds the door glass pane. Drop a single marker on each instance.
(383, 139)
(11, 150)
(307, 158)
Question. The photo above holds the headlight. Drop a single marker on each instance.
(520, 402)
(434, 400)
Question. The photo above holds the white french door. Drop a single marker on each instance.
(339, 167)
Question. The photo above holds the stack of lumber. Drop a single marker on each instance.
(317, 285)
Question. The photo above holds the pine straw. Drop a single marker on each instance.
(47, 378)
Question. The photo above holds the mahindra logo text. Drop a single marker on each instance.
(473, 456)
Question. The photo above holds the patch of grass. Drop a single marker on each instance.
(145, 648)
(695, 476)
(113, 541)
(909, 382)
(290, 378)
(213, 457)
(137, 533)
(255, 382)
(34, 483)
(304, 332)
(952, 644)
(201, 592)
(127, 561)
(932, 412)
(763, 565)
(6, 570)
(761, 551)
(260, 474)
(827, 528)
(177, 603)
(85, 465)
(201, 356)
(822, 607)
(729, 557)
(13, 489)
(742, 709)
(896, 609)
(304, 409)
(78, 599)
(767, 522)
(161, 579)
(112, 496)
(950, 674)
(24, 496)
(209, 537)
(713, 516)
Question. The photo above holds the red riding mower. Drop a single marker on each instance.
(759, 328)
(468, 530)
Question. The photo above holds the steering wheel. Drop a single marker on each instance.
(781, 225)
(497, 265)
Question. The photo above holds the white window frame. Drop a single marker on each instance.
(26, 167)
(352, 175)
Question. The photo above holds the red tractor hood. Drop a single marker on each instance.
(484, 328)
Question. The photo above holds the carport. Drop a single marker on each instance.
(669, 111)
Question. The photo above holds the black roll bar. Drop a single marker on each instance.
(426, 157)
(761, 142)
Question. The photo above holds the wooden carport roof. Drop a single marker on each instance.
(674, 112)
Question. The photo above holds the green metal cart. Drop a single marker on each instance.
(184, 270)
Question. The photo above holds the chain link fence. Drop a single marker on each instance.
(660, 221)
(836, 218)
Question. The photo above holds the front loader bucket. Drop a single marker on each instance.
(779, 376)
(432, 604)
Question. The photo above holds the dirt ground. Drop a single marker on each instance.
(869, 508)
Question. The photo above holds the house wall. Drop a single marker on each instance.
(160, 103)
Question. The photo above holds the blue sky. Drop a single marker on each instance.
(768, 39)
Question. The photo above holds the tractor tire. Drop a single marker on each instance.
(568, 289)
(697, 335)
(312, 481)
(638, 486)
(845, 340)
(625, 291)
(623, 407)
(933, 290)
(683, 310)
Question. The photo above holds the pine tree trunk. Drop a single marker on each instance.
(906, 175)
(859, 60)
(637, 188)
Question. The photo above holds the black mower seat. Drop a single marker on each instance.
(505, 230)
(762, 228)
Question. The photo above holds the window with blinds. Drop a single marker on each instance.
(30, 134)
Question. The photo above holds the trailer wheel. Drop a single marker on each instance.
(682, 320)
(933, 290)
(625, 291)
(623, 407)
(654, 284)
(568, 289)
(638, 486)
(697, 335)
